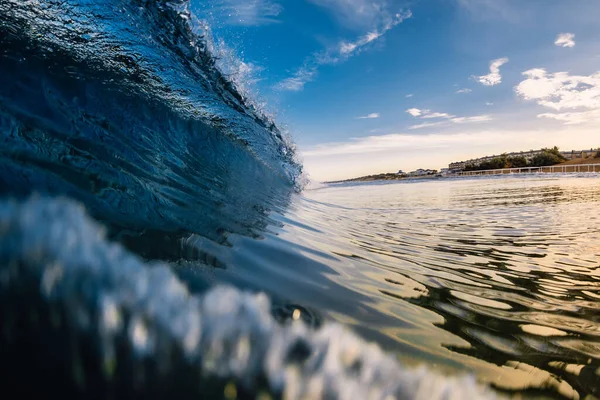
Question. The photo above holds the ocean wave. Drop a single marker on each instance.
(147, 49)
(120, 104)
(83, 317)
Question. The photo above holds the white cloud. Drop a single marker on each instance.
(449, 120)
(437, 115)
(370, 116)
(565, 40)
(494, 77)
(428, 114)
(578, 97)
(247, 12)
(468, 120)
(340, 53)
(372, 144)
(408, 96)
(465, 90)
(358, 14)
(348, 48)
(296, 82)
(415, 112)
(487, 103)
(574, 118)
(427, 125)
(485, 10)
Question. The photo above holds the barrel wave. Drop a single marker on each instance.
(120, 105)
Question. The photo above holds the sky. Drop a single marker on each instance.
(373, 86)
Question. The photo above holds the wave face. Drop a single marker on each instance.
(119, 104)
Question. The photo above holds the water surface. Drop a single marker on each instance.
(496, 276)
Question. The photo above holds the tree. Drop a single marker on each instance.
(517, 162)
(548, 157)
(495, 163)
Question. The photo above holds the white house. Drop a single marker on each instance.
(422, 172)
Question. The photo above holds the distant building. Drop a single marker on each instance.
(422, 172)
(401, 172)
(457, 166)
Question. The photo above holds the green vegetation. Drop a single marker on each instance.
(547, 157)
(517, 162)
(385, 177)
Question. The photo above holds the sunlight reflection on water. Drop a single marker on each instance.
(498, 276)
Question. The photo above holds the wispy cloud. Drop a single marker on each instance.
(247, 12)
(453, 120)
(415, 112)
(338, 54)
(487, 103)
(468, 120)
(370, 116)
(491, 9)
(437, 115)
(448, 119)
(508, 140)
(574, 118)
(426, 125)
(494, 77)
(463, 91)
(576, 98)
(408, 96)
(296, 82)
(565, 40)
(380, 143)
(350, 47)
(358, 14)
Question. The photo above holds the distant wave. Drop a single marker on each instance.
(82, 316)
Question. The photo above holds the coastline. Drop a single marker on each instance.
(588, 165)
(570, 166)
(385, 177)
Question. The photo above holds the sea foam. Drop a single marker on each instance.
(122, 327)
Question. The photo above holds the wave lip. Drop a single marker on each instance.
(129, 328)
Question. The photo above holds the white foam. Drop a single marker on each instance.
(226, 333)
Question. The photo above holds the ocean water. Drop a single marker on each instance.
(156, 240)
(496, 276)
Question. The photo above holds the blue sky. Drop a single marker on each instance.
(369, 86)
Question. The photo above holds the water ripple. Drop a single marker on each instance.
(486, 275)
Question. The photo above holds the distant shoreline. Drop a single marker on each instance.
(386, 177)
(396, 177)
(572, 166)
